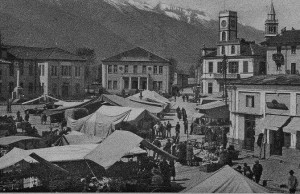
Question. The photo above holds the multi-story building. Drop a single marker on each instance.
(264, 105)
(243, 59)
(136, 69)
(50, 71)
(265, 109)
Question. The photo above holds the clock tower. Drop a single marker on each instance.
(227, 26)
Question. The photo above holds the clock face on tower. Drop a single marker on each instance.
(223, 23)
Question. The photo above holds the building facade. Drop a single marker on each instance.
(136, 69)
(243, 59)
(49, 71)
(263, 105)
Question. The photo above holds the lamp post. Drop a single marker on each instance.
(224, 63)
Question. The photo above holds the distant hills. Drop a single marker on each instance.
(112, 26)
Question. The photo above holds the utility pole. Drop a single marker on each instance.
(225, 78)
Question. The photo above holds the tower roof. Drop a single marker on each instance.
(272, 9)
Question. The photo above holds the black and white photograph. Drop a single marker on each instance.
(150, 96)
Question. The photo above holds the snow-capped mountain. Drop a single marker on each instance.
(112, 26)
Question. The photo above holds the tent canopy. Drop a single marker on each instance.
(97, 124)
(293, 126)
(227, 180)
(4, 141)
(135, 114)
(273, 122)
(152, 96)
(120, 101)
(113, 148)
(81, 138)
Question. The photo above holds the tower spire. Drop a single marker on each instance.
(271, 24)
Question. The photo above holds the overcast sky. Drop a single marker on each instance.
(250, 12)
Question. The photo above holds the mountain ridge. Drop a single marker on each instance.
(110, 27)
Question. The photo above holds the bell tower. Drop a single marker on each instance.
(227, 26)
(271, 23)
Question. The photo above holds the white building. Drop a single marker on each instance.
(244, 59)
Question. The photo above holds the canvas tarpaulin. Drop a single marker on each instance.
(82, 138)
(135, 114)
(113, 148)
(227, 180)
(152, 96)
(120, 101)
(272, 122)
(4, 141)
(97, 124)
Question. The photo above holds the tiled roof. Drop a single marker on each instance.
(136, 52)
(38, 53)
(287, 37)
(281, 79)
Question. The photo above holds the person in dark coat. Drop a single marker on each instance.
(157, 143)
(168, 146)
(179, 114)
(169, 127)
(192, 129)
(292, 182)
(247, 171)
(183, 98)
(26, 116)
(186, 127)
(177, 131)
(172, 169)
(257, 171)
(165, 172)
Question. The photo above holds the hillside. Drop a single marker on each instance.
(111, 26)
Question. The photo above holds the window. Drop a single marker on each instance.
(126, 83)
(221, 87)
(249, 101)
(144, 69)
(22, 85)
(126, 69)
(223, 36)
(115, 68)
(135, 69)
(11, 87)
(233, 67)
(77, 71)
(293, 68)
(245, 67)
(160, 69)
(54, 89)
(30, 69)
(30, 88)
(115, 85)
(77, 88)
(223, 50)
(66, 70)
(210, 88)
(210, 67)
(154, 85)
(21, 66)
(155, 70)
(11, 69)
(278, 49)
(159, 85)
(233, 49)
(109, 68)
(220, 67)
(53, 70)
(293, 49)
(109, 85)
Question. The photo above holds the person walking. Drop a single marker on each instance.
(192, 128)
(156, 128)
(183, 98)
(257, 171)
(177, 131)
(172, 169)
(169, 127)
(186, 126)
(189, 153)
(292, 182)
